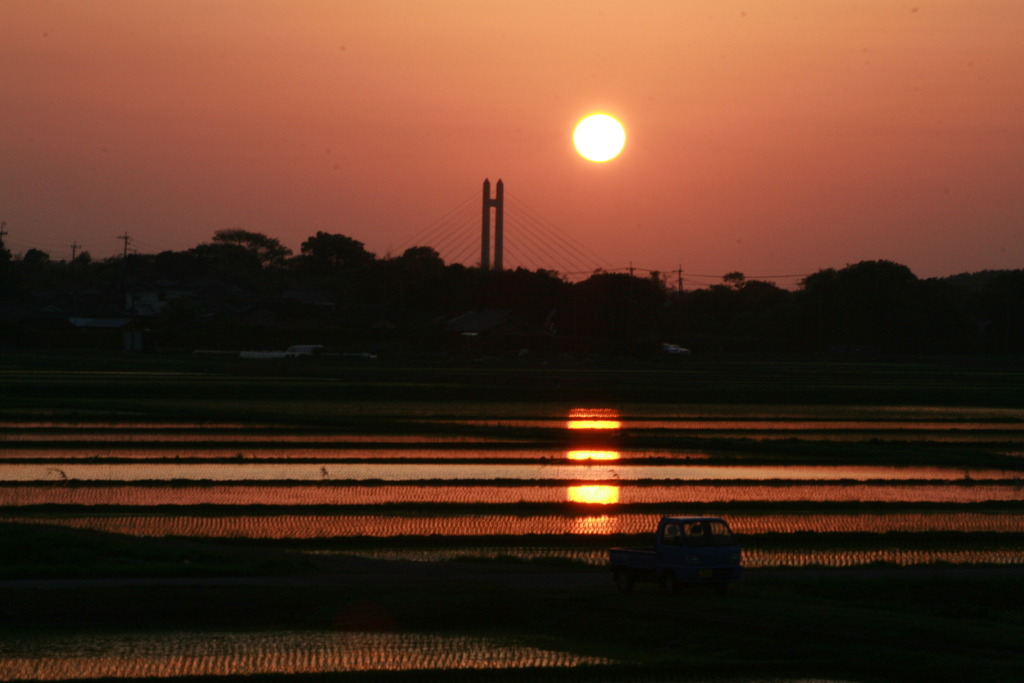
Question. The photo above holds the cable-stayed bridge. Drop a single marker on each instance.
(522, 237)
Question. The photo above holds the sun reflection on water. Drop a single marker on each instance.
(597, 494)
(594, 418)
(594, 494)
(592, 455)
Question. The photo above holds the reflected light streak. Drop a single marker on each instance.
(594, 418)
(592, 455)
(594, 424)
(593, 494)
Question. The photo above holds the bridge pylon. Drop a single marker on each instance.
(498, 203)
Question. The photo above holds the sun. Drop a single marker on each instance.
(599, 137)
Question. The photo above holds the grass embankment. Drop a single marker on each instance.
(39, 550)
(43, 551)
(850, 625)
(176, 387)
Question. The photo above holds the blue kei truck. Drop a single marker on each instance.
(687, 550)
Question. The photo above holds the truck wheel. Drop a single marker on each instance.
(623, 581)
(669, 584)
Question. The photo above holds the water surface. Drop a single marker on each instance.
(332, 493)
(587, 470)
(177, 654)
(317, 526)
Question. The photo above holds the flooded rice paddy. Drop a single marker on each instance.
(312, 526)
(176, 654)
(596, 470)
(290, 493)
(810, 487)
(541, 478)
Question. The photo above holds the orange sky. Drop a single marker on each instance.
(765, 136)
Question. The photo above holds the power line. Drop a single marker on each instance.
(154, 248)
(531, 241)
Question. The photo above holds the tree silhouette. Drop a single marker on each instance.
(867, 305)
(268, 250)
(325, 252)
(617, 307)
(1000, 306)
(242, 288)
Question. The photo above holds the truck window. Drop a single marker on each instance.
(696, 533)
(672, 535)
(720, 534)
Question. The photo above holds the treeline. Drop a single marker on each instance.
(246, 290)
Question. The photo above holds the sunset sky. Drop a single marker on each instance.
(772, 137)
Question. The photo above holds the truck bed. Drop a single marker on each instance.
(633, 557)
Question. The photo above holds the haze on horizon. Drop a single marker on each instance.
(764, 136)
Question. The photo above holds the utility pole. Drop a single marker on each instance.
(74, 249)
(3, 224)
(679, 280)
(124, 267)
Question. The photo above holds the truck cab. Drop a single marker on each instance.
(687, 550)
